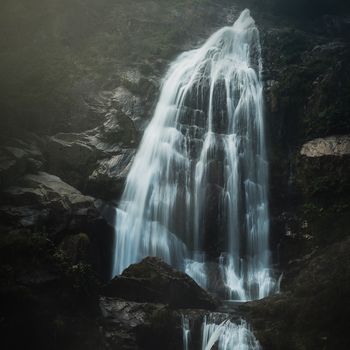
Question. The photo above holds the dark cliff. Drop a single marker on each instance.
(78, 83)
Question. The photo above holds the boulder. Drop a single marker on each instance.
(152, 280)
(42, 200)
(329, 146)
(50, 188)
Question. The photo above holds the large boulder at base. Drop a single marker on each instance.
(152, 280)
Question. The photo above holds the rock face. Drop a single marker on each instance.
(314, 314)
(18, 156)
(307, 113)
(130, 325)
(97, 161)
(145, 306)
(89, 94)
(108, 179)
(330, 146)
(70, 157)
(42, 199)
(153, 280)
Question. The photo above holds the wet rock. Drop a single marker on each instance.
(42, 199)
(97, 160)
(50, 188)
(314, 313)
(128, 103)
(215, 280)
(118, 128)
(70, 157)
(122, 319)
(19, 156)
(108, 179)
(152, 280)
(214, 232)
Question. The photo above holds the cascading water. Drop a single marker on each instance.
(186, 332)
(197, 190)
(228, 336)
(220, 335)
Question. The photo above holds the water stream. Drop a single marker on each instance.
(197, 193)
(197, 190)
(228, 336)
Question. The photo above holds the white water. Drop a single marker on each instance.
(228, 336)
(186, 332)
(199, 179)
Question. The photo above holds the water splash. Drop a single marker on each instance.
(228, 336)
(199, 179)
(196, 268)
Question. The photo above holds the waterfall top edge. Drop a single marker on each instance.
(244, 21)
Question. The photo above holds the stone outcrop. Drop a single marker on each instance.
(93, 102)
(42, 199)
(18, 156)
(70, 157)
(152, 280)
(329, 146)
(107, 180)
(130, 325)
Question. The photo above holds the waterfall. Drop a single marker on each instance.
(186, 332)
(224, 335)
(228, 336)
(197, 190)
